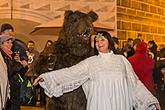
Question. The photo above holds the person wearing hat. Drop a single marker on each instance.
(14, 66)
(8, 29)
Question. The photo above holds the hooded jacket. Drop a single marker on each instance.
(143, 66)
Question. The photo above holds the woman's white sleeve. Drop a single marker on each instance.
(65, 80)
(141, 97)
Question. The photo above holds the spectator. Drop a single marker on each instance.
(7, 29)
(48, 43)
(138, 39)
(128, 48)
(14, 67)
(32, 54)
(143, 66)
(140, 36)
(108, 80)
(152, 49)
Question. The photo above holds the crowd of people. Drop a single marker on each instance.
(16, 59)
(113, 79)
(151, 50)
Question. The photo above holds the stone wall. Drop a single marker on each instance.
(141, 16)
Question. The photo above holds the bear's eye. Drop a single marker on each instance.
(75, 19)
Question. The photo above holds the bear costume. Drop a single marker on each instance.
(72, 46)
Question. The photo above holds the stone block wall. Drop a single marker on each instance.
(141, 16)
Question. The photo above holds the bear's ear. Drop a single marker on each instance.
(67, 14)
(93, 15)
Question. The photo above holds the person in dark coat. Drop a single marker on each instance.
(128, 50)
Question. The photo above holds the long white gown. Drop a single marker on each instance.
(108, 81)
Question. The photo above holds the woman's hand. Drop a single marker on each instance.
(36, 81)
(158, 106)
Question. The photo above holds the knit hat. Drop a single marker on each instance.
(4, 38)
(141, 47)
(6, 27)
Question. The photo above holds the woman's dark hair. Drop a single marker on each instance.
(108, 37)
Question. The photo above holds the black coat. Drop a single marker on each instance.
(13, 68)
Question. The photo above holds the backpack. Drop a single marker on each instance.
(26, 90)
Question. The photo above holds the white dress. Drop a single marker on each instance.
(108, 81)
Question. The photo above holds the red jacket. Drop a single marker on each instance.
(143, 66)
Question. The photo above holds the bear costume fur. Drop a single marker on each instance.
(72, 46)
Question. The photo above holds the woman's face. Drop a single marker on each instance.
(102, 44)
(7, 44)
(150, 45)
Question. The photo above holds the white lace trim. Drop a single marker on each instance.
(142, 98)
(60, 89)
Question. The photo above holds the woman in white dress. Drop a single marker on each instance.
(108, 80)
